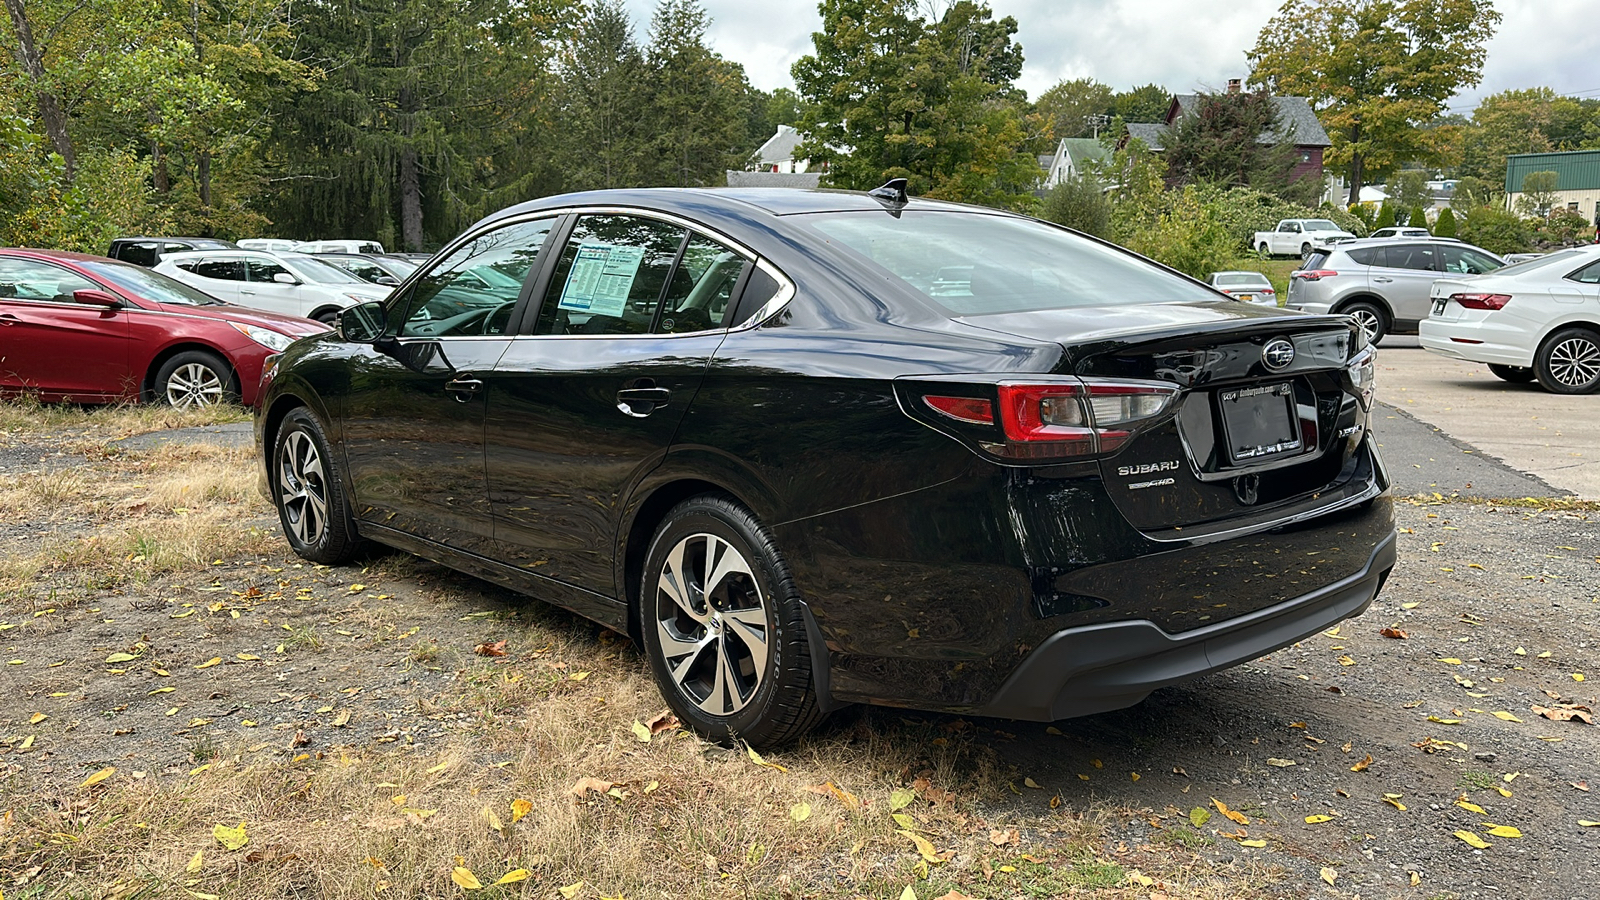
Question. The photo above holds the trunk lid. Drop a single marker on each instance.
(1256, 429)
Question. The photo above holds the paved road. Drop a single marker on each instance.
(1554, 438)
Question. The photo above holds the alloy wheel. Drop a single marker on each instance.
(194, 384)
(712, 622)
(1368, 321)
(1575, 362)
(303, 488)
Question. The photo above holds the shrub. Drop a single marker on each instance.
(1446, 224)
(1385, 217)
(1496, 230)
(1562, 228)
(1188, 236)
(1079, 203)
(1418, 218)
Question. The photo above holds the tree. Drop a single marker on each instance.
(1374, 70)
(1077, 108)
(603, 106)
(1445, 225)
(30, 54)
(1079, 203)
(1386, 216)
(889, 94)
(1221, 141)
(1538, 193)
(696, 100)
(1536, 120)
(1407, 189)
(1417, 216)
(1145, 103)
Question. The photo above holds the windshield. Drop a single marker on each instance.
(312, 269)
(1321, 225)
(142, 282)
(972, 263)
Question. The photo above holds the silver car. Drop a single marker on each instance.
(1383, 284)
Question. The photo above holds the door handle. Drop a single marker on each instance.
(1382, 280)
(8, 319)
(465, 387)
(643, 399)
(247, 293)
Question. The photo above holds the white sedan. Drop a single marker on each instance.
(1536, 319)
(290, 283)
(1251, 287)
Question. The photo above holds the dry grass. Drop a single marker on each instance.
(108, 422)
(379, 817)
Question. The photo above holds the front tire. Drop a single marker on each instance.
(1370, 318)
(310, 495)
(1513, 374)
(1305, 251)
(1568, 362)
(194, 379)
(723, 627)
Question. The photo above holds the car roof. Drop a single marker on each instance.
(215, 243)
(728, 201)
(63, 255)
(212, 251)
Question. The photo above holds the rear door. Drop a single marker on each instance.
(53, 345)
(587, 404)
(1580, 287)
(1403, 275)
(222, 276)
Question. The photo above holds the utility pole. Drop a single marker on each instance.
(1097, 122)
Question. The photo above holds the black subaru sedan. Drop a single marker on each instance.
(818, 448)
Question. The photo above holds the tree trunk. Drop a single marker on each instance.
(410, 176)
(159, 176)
(50, 112)
(1355, 167)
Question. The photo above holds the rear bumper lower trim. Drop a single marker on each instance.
(1097, 668)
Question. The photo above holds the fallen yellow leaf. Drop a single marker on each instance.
(1507, 717)
(1280, 763)
(571, 890)
(196, 861)
(520, 808)
(1471, 807)
(1317, 820)
(1253, 843)
(924, 848)
(1450, 659)
(1029, 782)
(1362, 765)
(641, 732)
(209, 663)
(464, 878)
(1235, 815)
(36, 718)
(514, 876)
(1505, 831)
(231, 838)
(98, 777)
(1472, 839)
(1329, 875)
(800, 811)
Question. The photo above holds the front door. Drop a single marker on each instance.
(413, 417)
(583, 408)
(261, 290)
(54, 346)
(1403, 274)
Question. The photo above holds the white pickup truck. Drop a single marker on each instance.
(1298, 237)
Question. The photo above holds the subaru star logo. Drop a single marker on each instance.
(1277, 354)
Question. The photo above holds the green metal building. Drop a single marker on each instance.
(1577, 178)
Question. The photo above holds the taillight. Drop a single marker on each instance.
(1313, 274)
(1482, 301)
(1078, 418)
(1266, 290)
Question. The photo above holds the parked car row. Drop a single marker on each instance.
(295, 284)
(1383, 283)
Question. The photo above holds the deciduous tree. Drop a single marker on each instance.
(1374, 70)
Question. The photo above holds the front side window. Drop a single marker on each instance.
(473, 290)
(27, 279)
(976, 263)
(611, 275)
(265, 270)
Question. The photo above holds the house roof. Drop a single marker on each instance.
(806, 180)
(1297, 122)
(1576, 170)
(1083, 150)
(780, 147)
(1152, 133)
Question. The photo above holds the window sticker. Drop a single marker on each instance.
(601, 278)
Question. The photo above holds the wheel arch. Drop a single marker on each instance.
(1382, 304)
(148, 387)
(325, 309)
(1576, 321)
(647, 519)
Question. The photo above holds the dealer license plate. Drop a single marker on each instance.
(1438, 307)
(1260, 422)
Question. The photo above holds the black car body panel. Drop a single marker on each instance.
(935, 570)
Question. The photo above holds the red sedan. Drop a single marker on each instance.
(87, 329)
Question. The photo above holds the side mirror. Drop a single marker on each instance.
(387, 280)
(363, 323)
(90, 297)
(285, 278)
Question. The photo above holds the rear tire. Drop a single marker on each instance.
(723, 627)
(1373, 321)
(1513, 374)
(1568, 362)
(1264, 250)
(309, 492)
(195, 379)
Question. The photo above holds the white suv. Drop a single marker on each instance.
(291, 283)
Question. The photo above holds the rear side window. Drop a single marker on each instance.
(1589, 274)
(1420, 257)
(611, 276)
(1363, 256)
(975, 264)
(1467, 261)
(142, 253)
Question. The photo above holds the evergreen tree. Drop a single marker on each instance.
(1385, 217)
(603, 103)
(1445, 226)
(698, 101)
(1417, 218)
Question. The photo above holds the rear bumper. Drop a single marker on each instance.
(1096, 668)
(1497, 343)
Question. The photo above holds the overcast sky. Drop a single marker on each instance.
(1124, 43)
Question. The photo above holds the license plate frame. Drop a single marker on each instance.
(1438, 306)
(1259, 422)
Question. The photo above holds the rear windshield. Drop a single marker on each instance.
(974, 264)
(1317, 259)
(1227, 279)
(1528, 265)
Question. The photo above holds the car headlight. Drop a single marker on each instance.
(359, 298)
(266, 337)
